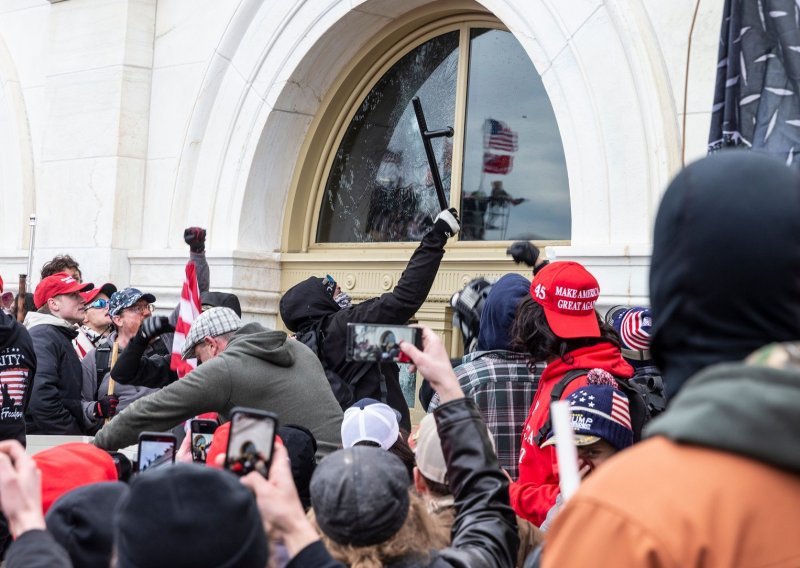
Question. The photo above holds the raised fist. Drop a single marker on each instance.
(195, 237)
(524, 251)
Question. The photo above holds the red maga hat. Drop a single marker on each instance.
(568, 293)
(56, 285)
(108, 288)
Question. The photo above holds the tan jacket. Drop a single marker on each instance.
(669, 505)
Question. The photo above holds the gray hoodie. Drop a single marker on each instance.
(260, 368)
(751, 409)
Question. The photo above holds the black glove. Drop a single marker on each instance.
(155, 326)
(106, 407)
(447, 222)
(195, 237)
(523, 251)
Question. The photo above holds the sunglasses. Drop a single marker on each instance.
(98, 304)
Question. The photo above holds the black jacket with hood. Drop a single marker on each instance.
(303, 305)
(17, 369)
(725, 271)
(55, 405)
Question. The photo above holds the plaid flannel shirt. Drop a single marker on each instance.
(502, 387)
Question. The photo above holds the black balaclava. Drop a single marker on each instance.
(305, 303)
(725, 272)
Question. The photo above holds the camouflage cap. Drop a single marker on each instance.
(125, 298)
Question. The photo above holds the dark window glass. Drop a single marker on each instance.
(379, 187)
(515, 176)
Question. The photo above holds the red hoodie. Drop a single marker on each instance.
(536, 490)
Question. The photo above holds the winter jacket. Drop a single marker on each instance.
(91, 392)
(716, 485)
(55, 405)
(306, 303)
(259, 368)
(534, 493)
(17, 369)
(37, 549)
(485, 528)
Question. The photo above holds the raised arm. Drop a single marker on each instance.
(485, 528)
(399, 305)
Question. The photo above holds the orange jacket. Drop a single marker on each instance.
(671, 505)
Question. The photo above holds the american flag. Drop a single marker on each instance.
(620, 410)
(633, 332)
(499, 136)
(497, 163)
(189, 310)
(15, 380)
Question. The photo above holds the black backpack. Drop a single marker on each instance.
(644, 403)
(343, 390)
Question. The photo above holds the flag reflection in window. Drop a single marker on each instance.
(513, 182)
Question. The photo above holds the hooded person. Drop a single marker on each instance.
(220, 300)
(558, 325)
(717, 481)
(82, 522)
(189, 515)
(55, 404)
(496, 376)
(241, 365)
(312, 305)
(17, 369)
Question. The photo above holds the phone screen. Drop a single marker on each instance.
(156, 450)
(380, 343)
(202, 434)
(250, 443)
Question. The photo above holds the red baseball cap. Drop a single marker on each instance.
(568, 293)
(72, 465)
(56, 285)
(108, 288)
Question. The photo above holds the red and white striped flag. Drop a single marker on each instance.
(189, 310)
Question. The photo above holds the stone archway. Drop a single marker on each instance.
(265, 94)
(17, 182)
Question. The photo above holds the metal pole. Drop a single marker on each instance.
(427, 136)
(32, 224)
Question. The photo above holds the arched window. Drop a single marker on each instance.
(504, 170)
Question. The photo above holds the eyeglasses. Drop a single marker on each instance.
(98, 304)
(141, 309)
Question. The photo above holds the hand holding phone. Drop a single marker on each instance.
(251, 441)
(201, 434)
(380, 343)
(156, 449)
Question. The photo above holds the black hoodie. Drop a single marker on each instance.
(308, 302)
(17, 368)
(725, 272)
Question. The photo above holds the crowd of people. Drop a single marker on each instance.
(684, 414)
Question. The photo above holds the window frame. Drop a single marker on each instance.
(462, 23)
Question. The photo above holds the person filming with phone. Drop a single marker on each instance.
(318, 305)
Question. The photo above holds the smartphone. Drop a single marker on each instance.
(367, 342)
(251, 441)
(202, 433)
(156, 449)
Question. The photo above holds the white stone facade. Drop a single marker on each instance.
(124, 121)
